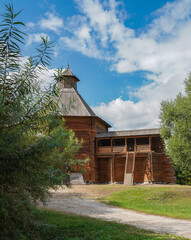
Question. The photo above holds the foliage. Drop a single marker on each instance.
(170, 201)
(175, 126)
(62, 226)
(183, 176)
(36, 149)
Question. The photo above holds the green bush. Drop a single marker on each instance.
(36, 149)
(183, 176)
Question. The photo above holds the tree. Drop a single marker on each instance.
(36, 149)
(175, 123)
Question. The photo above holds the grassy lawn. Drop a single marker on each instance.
(59, 226)
(171, 201)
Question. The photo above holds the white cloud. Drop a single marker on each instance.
(36, 37)
(90, 33)
(162, 48)
(126, 114)
(30, 25)
(46, 77)
(51, 22)
(82, 42)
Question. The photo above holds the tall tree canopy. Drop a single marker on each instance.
(175, 125)
(36, 150)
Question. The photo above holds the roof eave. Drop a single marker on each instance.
(129, 133)
(104, 122)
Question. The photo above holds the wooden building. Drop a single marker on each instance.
(127, 157)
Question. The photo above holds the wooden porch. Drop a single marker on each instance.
(135, 167)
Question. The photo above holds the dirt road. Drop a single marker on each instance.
(80, 200)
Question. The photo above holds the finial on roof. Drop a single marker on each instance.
(68, 73)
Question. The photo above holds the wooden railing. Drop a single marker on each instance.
(121, 149)
(117, 149)
(104, 150)
(143, 148)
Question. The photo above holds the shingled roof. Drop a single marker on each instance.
(80, 107)
(129, 133)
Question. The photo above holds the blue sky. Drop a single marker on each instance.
(129, 54)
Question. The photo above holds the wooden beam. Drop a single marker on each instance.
(133, 168)
(113, 167)
(110, 166)
(152, 179)
(126, 164)
(135, 145)
(150, 143)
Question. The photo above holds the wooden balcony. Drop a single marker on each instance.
(104, 150)
(143, 148)
(119, 149)
(108, 146)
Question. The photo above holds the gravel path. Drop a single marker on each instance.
(62, 201)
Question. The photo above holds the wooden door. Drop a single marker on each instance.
(119, 169)
(104, 170)
(140, 168)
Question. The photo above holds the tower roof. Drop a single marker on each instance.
(71, 102)
(68, 73)
(80, 108)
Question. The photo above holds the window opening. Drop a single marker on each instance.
(119, 142)
(130, 144)
(104, 143)
(142, 141)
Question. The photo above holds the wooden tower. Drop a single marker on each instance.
(82, 120)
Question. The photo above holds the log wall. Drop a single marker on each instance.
(163, 171)
(84, 128)
(140, 168)
(100, 126)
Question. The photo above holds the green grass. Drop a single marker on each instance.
(171, 201)
(59, 226)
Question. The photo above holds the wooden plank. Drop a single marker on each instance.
(112, 168)
(151, 158)
(118, 149)
(128, 180)
(139, 168)
(134, 155)
(143, 148)
(128, 177)
(104, 150)
(126, 163)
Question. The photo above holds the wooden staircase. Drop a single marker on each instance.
(129, 169)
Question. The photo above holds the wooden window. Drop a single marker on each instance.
(104, 143)
(130, 144)
(119, 142)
